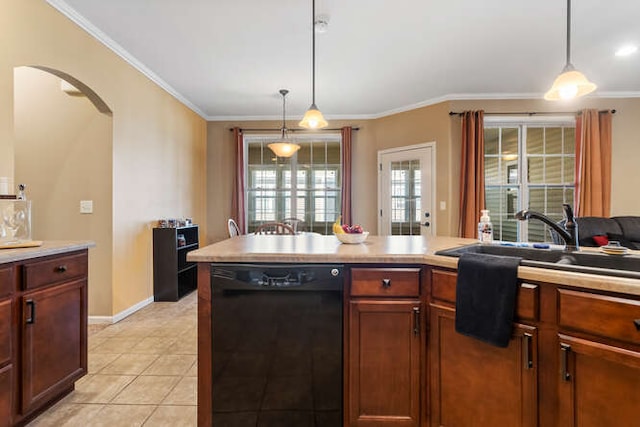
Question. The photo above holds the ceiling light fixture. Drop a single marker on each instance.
(570, 83)
(626, 50)
(284, 147)
(313, 118)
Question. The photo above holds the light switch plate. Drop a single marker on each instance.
(86, 206)
(443, 205)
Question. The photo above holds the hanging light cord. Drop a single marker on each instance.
(313, 52)
(284, 93)
(568, 32)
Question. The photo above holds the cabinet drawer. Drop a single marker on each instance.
(54, 270)
(392, 282)
(610, 317)
(443, 288)
(5, 332)
(6, 281)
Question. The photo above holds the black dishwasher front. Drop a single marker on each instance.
(277, 345)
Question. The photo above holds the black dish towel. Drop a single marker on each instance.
(486, 297)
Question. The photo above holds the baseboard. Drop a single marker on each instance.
(124, 313)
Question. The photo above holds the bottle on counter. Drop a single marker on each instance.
(485, 228)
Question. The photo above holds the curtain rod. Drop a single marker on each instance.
(290, 130)
(530, 113)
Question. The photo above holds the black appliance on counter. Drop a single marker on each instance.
(277, 344)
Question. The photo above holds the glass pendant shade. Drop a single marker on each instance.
(571, 83)
(313, 119)
(283, 148)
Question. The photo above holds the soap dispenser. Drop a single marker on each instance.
(485, 228)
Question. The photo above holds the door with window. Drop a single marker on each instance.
(406, 190)
(528, 165)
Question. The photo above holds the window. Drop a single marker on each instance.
(405, 197)
(306, 186)
(528, 165)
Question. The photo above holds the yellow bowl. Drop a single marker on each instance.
(352, 237)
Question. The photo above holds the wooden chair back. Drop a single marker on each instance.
(275, 228)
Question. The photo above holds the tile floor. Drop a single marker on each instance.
(142, 372)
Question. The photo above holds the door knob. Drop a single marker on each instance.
(426, 223)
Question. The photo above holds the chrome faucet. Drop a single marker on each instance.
(570, 231)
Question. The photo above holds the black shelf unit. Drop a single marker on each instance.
(173, 276)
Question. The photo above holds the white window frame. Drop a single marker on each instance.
(522, 123)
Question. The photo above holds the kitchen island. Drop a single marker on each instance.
(568, 325)
(43, 326)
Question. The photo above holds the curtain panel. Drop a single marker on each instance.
(593, 164)
(472, 198)
(346, 132)
(238, 197)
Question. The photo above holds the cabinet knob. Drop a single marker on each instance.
(637, 323)
(61, 269)
(386, 283)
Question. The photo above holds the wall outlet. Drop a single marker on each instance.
(443, 206)
(86, 206)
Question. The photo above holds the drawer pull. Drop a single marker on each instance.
(637, 323)
(528, 362)
(61, 269)
(31, 306)
(386, 283)
(564, 355)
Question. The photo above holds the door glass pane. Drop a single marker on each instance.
(405, 197)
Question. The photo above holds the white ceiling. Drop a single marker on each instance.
(227, 59)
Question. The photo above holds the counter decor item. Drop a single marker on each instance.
(15, 222)
(352, 238)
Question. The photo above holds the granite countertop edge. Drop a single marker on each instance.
(48, 247)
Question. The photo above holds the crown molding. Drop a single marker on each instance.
(64, 8)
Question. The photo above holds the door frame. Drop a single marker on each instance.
(432, 145)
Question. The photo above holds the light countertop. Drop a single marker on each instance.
(310, 248)
(48, 247)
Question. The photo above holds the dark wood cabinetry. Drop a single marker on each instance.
(43, 332)
(386, 348)
(173, 276)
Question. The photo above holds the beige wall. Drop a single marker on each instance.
(427, 124)
(158, 149)
(63, 151)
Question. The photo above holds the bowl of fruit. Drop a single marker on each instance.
(349, 233)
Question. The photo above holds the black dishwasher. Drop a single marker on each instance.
(277, 345)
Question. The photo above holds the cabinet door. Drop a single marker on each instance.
(599, 384)
(6, 394)
(54, 330)
(385, 347)
(478, 384)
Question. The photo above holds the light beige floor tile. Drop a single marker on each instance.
(99, 388)
(67, 415)
(193, 371)
(171, 364)
(122, 415)
(146, 390)
(174, 416)
(129, 364)
(184, 393)
(116, 345)
(94, 341)
(184, 345)
(152, 345)
(97, 361)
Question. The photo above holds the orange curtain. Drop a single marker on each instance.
(593, 164)
(237, 198)
(471, 173)
(346, 175)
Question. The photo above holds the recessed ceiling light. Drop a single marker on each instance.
(626, 50)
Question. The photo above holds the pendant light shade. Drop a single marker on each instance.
(284, 147)
(313, 118)
(571, 83)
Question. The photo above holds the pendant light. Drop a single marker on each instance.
(570, 83)
(313, 118)
(284, 147)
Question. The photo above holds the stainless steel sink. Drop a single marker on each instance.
(576, 261)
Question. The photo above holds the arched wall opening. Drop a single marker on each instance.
(63, 149)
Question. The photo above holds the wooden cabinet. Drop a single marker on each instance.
(173, 276)
(473, 383)
(386, 348)
(599, 357)
(43, 332)
(477, 384)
